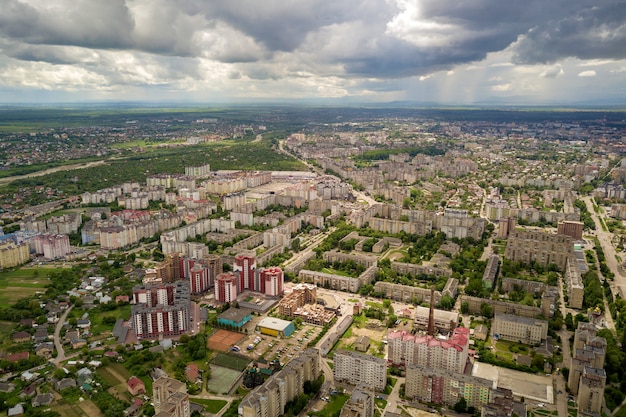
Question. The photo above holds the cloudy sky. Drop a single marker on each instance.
(442, 51)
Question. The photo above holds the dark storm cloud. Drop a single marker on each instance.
(95, 24)
(371, 38)
(597, 31)
(282, 25)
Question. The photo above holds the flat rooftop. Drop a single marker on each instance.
(522, 384)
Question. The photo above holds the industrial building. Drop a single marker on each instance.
(275, 327)
(234, 317)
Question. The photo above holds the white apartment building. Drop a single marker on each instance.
(356, 368)
(519, 329)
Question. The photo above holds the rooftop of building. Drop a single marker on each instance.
(360, 356)
(274, 323)
(519, 319)
(235, 314)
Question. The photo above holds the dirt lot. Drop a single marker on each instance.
(223, 340)
(373, 329)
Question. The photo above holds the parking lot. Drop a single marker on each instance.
(270, 347)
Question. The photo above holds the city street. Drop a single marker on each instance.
(609, 251)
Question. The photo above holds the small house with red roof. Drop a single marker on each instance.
(19, 356)
(136, 386)
(191, 372)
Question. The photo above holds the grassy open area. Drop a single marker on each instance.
(333, 407)
(336, 272)
(211, 406)
(22, 283)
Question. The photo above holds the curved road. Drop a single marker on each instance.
(4, 181)
(57, 338)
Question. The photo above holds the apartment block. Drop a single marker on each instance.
(444, 321)
(475, 304)
(406, 293)
(514, 284)
(571, 228)
(491, 272)
(245, 266)
(161, 310)
(360, 403)
(530, 246)
(226, 287)
(335, 256)
(269, 399)
(336, 282)
(302, 302)
(406, 268)
(591, 390)
(519, 329)
(442, 386)
(451, 353)
(52, 246)
(272, 281)
(588, 351)
(13, 254)
(574, 282)
(356, 368)
(170, 398)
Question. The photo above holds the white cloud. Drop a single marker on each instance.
(586, 74)
(554, 71)
(501, 87)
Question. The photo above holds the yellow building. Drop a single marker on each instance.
(13, 254)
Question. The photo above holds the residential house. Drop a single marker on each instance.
(64, 383)
(83, 323)
(21, 337)
(18, 356)
(136, 386)
(27, 323)
(29, 391)
(45, 350)
(18, 410)
(7, 387)
(78, 343)
(192, 373)
(84, 376)
(43, 400)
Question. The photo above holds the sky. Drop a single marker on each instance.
(517, 52)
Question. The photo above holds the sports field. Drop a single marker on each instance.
(22, 283)
(238, 363)
(223, 340)
(222, 379)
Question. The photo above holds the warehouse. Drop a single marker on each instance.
(234, 317)
(275, 327)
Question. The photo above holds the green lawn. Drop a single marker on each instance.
(22, 283)
(211, 406)
(332, 408)
(337, 272)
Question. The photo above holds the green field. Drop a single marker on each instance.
(22, 283)
(337, 272)
(211, 406)
(230, 361)
(334, 407)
